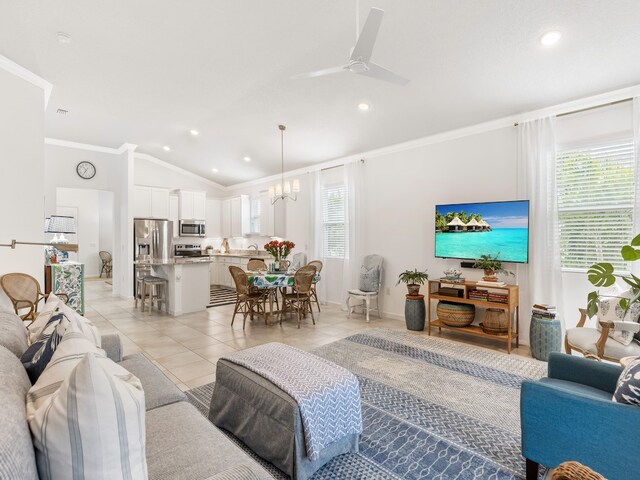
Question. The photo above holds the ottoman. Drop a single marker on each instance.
(267, 420)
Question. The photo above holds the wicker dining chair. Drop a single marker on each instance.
(574, 471)
(256, 265)
(300, 300)
(24, 292)
(314, 294)
(248, 303)
(107, 263)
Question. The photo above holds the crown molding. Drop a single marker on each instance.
(84, 146)
(182, 171)
(27, 75)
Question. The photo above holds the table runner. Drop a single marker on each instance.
(327, 395)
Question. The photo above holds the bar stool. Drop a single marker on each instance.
(158, 291)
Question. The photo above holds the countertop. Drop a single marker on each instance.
(204, 259)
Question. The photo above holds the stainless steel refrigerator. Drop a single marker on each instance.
(153, 242)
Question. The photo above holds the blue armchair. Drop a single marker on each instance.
(569, 415)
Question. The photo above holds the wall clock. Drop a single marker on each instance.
(86, 170)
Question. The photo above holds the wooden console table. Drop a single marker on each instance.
(511, 308)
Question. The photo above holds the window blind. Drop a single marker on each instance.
(596, 194)
(333, 220)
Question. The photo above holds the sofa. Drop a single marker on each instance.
(180, 442)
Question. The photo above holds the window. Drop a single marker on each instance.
(333, 220)
(254, 226)
(596, 194)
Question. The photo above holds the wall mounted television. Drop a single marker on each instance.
(469, 230)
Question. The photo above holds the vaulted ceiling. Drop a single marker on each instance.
(149, 71)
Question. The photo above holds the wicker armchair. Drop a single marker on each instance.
(24, 292)
(596, 344)
(107, 263)
(300, 300)
(575, 471)
(248, 303)
(256, 265)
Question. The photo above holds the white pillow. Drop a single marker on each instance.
(609, 309)
(89, 329)
(93, 426)
(48, 309)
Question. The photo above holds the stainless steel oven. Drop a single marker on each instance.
(192, 228)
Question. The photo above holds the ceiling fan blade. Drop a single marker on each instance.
(367, 39)
(381, 73)
(319, 73)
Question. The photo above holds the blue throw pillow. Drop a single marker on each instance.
(628, 388)
(39, 353)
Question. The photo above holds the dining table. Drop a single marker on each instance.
(273, 281)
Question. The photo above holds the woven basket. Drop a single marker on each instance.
(456, 314)
(496, 321)
(575, 471)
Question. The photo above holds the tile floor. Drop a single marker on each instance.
(186, 348)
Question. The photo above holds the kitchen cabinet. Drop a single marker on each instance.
(212, 218)
(213, 273)
(240, 216)
(192, 205)
(225, 219)
(266, 215)
(174, 213)
(150, 202)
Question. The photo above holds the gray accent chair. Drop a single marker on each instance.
(181, 443)
(369, 287)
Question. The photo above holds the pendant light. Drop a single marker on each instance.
(284, 190)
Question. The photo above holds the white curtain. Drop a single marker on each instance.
(635, 266)
(541, 280)
(315, 228)
(354, 226)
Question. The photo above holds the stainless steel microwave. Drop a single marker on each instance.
(192, 228)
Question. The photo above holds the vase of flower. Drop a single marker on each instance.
(280, 251)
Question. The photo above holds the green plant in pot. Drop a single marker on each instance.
(413, 279)
(603, 275)
(491, 266)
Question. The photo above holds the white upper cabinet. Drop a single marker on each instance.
(225, 227)
(174, 213)
(150, 202)
(240, 216)
(212, 218)
(266, 216)
(192, 205)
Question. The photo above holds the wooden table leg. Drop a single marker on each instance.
(508, 312)
(518, 325)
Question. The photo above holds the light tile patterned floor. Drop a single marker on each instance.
(187, 347)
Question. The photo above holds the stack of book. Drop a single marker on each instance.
(544, 311)
(478, 294)
(498, 297)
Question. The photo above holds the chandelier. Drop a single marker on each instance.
(283, 190)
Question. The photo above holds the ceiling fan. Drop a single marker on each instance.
(360, 62)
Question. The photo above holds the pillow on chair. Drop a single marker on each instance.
(369, 279)
(609, 309)
(628, 388)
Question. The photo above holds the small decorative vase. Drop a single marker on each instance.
(283, 265)
(415, 312)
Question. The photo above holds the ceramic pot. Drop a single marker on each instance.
(415, 312)
(490, 276)
(283, 265)
(414, 289)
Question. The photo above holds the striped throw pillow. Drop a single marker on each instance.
(93, 426)
(39, 353)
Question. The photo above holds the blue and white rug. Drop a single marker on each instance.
(432, 408)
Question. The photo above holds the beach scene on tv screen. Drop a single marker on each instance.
(473, 229)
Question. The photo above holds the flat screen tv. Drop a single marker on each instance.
(469, 230)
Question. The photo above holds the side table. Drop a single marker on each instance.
(415, 312)
(545, 336)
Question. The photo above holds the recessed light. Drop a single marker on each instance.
(214, 170)
(194, 132)
(166, 148)
(364, 106)
(63, 37)
(550, 38)
(247, 159)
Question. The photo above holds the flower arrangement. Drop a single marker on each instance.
(279, 250)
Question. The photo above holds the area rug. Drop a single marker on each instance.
(220, 295)
(432, 408)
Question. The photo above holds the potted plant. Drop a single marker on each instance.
(280, 251)
(413, 279)
(491, 266)
(603, 275)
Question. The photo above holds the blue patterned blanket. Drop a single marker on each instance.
(327, 395)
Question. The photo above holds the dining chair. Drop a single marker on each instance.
(24, 292)
(300, 300)
(256, 265)
(107, 263)
(594, 343)
(314, 294)
(247, 302)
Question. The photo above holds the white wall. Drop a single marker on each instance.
(22, 179)
(105, 240)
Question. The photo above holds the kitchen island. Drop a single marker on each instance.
(188, 282)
